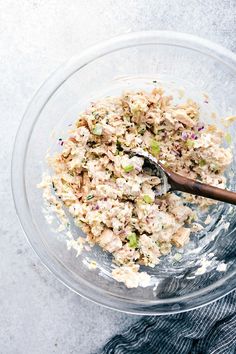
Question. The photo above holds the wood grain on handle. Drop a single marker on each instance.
(188, 185)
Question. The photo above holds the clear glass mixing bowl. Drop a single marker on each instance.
(139, 60)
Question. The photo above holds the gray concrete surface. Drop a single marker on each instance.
(38, 315)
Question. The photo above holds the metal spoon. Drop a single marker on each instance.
(175, 182)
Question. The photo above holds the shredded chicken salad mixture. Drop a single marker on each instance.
(112, 199)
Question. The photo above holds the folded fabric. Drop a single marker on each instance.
(207, 330)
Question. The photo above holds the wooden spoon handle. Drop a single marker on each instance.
(188, 185)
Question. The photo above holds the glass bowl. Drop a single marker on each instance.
(184, 65)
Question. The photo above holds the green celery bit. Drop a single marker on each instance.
(155, 147)
(202, 162)
(147, 199)
(190, 143)
(97, 130)
(133, 242)
(128, 168)
(89, 196)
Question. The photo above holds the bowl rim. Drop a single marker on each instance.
(183, 303)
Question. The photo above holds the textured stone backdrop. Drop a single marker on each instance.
(38, 315)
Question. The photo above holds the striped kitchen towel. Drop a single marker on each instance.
(207, 330)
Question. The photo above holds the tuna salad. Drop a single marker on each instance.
(109, 195)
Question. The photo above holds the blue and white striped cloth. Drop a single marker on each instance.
(208, 330)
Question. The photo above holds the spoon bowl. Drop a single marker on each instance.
(172, 181)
